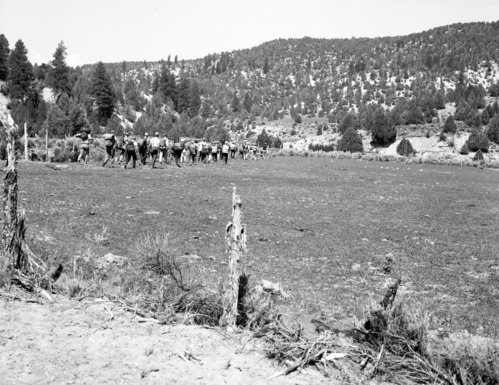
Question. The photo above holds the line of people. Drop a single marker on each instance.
(128, 150)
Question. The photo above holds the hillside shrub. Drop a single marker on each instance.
(349, 121)
(59, 155)
(493, 130)
(478, 141)
(450, 125)
(383, 131)
(479, 156)
(464, 150)
(321, 147)
(350, 141)
(404, 148)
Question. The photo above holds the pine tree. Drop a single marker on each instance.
(439, 100)
(485, 117)
(349, 121)
(4, 57)
(58, 123)
(266, 65)
(21, 72)
(58, 77)
(247, 102)
(478, 141)
(195, 99)
(155, 83)
(493, 130)
(450, 125)
(167, 86)
(235, 104)
(404, 148)
(350, 141)
(102, 91)
(77, 118)
(184, 96)
(383, 131)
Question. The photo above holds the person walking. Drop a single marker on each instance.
(110, 145)
(225, 152)
(163, 150)
(193, 152)
(233, 148)
(214, 152)
(121, 147)
(86, 140)
(130, 151)
(143, 144)
(178, 148)
(154, 148)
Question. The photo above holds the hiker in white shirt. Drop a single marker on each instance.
(154, 148)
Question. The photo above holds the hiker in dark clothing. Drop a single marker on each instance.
(143, 148)
(130, 151)
(178, 147)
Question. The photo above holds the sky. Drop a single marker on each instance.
(137, 30)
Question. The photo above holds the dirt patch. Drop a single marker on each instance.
(95, 341)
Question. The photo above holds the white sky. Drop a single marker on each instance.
(136, 30)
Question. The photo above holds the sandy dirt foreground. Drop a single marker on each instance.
(96, 342)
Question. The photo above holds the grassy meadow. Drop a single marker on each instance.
(322, 228)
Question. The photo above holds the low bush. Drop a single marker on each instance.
(321, 147)
(350, 141)
(404, 148)
(464, 149)
(478, 141)
(479, 156)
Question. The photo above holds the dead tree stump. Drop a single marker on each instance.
(17, 258)
(236, 242)
(12, 244)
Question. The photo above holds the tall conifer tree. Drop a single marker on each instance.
(195, 99)
(20, 72)
(59, 72)
(4, 57)
(184, 95)
(102, 91)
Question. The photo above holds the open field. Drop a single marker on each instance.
(322, 228)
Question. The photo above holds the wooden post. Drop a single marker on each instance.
(24, 267)
(236, 239)
(10, 234)
(26, 142)
(46, 145)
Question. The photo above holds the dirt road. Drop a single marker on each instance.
(96, 342)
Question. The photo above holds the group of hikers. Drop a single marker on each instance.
(127, 150)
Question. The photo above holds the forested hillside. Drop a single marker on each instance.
(370, 83)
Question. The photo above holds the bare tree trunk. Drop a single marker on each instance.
(16, 258)
(11, 234)
(236, 239)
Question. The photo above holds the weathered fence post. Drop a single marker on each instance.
(46, 145)
(16, 257)
(26, 142)
(11, 234)
(236, 239)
